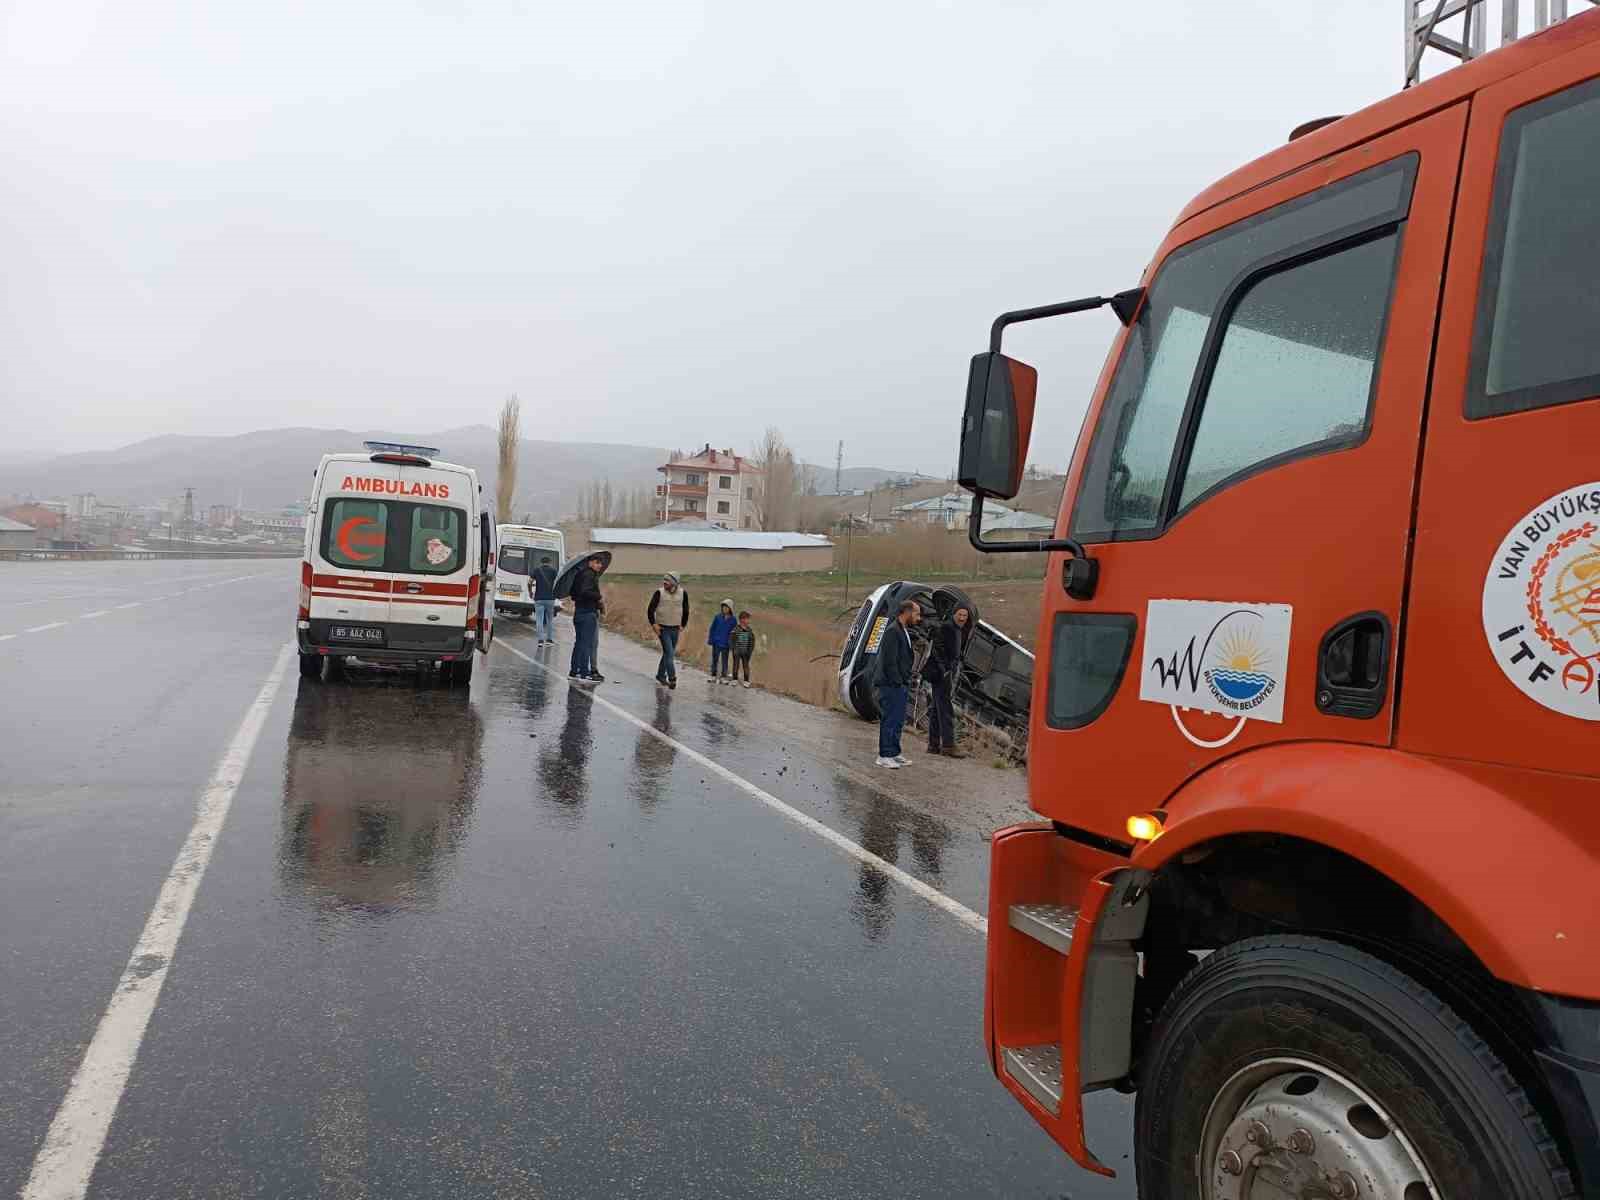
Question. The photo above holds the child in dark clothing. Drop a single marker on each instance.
(721, 631)
(743, 644)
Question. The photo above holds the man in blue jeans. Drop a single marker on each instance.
(587, 605)
(543, 586)
(895, 660)
(668, 615)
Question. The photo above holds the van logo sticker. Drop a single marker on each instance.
(352, 534)
(438, 552)
(1220, 657)
(1541, 603)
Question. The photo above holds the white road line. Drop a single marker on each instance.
(932, 895)
(135, 604)
(99, 612)
(53, 599)
(67, 1159)
(6, 637)
(42, 628)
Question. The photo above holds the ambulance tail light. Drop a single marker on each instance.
(473, 585)
(305, 591)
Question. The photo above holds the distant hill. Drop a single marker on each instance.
(272, 467)
(859, 478)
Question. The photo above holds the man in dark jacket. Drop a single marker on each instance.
(587, 605)
(895, 659)
(940, 670)
(542, 583)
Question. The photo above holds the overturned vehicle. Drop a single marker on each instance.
(992, 686)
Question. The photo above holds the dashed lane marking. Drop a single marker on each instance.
(42, 628)
(72, 1147)
(932, 895)
(135, 604)
(89, 616)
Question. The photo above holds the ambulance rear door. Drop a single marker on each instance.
(433, 554)
(350, 581)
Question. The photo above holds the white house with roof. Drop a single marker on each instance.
(718, 486)
(14, 535)
(1019, 525)
(950, 510)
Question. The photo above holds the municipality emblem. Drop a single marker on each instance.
(1541, 603)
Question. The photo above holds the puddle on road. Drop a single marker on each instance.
(383, 772)
(380, 781)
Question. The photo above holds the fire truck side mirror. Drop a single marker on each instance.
(996, 425)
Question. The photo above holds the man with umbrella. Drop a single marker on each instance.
(587, 605)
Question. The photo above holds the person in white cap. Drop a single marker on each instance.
(668, 615)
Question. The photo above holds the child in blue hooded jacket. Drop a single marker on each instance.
(719, 638)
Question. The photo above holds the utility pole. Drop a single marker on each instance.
(849, 538)
(838, 470)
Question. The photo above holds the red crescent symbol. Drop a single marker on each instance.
(347, 538)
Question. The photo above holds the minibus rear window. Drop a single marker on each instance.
(514, 559)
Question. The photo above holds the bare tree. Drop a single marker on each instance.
(510, 438)
(780, 481)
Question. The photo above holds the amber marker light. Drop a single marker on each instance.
(1146, 827)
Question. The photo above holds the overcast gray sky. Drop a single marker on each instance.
(659, 222)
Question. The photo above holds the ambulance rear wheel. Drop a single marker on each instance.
(459, 673)
(1300, 1066)
(311, 666)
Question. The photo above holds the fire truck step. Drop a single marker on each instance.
(1038, 1069)
(1051, 924)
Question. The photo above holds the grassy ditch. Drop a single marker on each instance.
(801, 619)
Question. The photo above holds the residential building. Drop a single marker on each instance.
(45, 520)
(718, 486)
(14, 535)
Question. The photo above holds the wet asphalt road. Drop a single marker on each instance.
(490, 943)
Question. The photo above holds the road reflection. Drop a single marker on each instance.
(380, 781)
(564, 770)
(653, 758)
(881, 823)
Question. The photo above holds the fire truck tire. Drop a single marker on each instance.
(311, 666)
(1332, 1072)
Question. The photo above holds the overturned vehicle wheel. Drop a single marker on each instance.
(996, 675)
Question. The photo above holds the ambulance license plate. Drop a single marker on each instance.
(371, 635)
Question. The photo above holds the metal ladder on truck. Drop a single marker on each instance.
(1425, 20)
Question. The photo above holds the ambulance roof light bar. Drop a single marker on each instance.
(401, 452)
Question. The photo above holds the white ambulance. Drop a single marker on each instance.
(521, 549)
(399, 563)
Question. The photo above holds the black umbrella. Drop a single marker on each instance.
(569, 570)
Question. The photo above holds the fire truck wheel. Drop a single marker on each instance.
(1299, 1066)
(311, 666)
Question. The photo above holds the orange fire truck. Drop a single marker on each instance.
(1316, 716)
